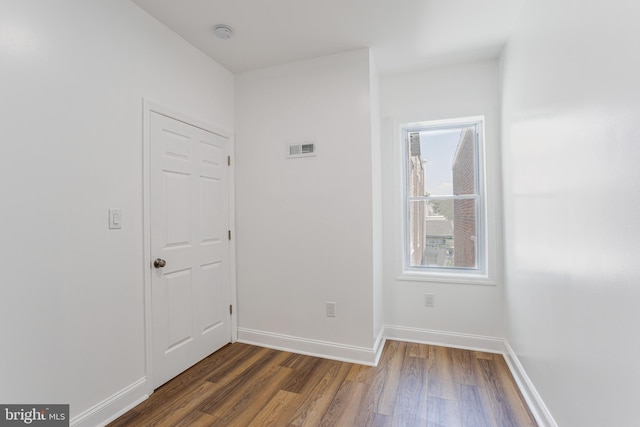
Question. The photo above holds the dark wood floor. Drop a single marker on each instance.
(413, 385)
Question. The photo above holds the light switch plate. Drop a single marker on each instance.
(115, 218)
(331, 309)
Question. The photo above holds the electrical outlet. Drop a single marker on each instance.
(331, 309)
(428, 300)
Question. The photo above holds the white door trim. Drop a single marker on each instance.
(148, 107)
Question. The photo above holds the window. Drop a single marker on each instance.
(444, 197)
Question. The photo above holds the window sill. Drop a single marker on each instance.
(462, 279)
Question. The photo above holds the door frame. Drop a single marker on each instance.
(148, 108)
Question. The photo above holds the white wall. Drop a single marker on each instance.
(376, 177)
(73, 75)
(571, 154)
(471, 309)
(305, 226)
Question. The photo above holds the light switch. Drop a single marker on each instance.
(115, 218)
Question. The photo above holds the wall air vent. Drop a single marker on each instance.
(301, 149)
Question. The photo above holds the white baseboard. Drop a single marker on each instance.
(536, 405)
(379, 346)
(447, 339)
(114, 406)
(325, 349)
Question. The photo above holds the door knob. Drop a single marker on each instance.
(159, 263)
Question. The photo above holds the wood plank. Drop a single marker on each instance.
(247, 407)
(278, 411)
(257, 397)
(255, 386)
(345, 406)
(298, 360)
(463, 367)
(371, 419)
(382, 393)
(413, 385)
(194, 419)
(442, 376)
(177, 410)
(431, 351)
(418, 350)
(189, 379)
(237, 385)
(410, 408)
(506, 411)
(517, 404)
(443, 413)
(320, 392)
(472, 412)
(362, 374)
(230, 368)
(131, 418)
(483, 355)
(301, 375)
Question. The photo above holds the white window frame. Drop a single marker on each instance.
(479, 275)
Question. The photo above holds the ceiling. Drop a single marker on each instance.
(403, 34)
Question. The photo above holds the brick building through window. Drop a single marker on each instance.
(464, 211)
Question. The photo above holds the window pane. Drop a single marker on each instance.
(464, 235)
(442, 162)
(442, 233)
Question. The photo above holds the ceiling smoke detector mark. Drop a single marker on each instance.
(301, 149)
(222, 31)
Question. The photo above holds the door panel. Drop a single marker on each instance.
(189, 222)
(179, 289)
(177, 222)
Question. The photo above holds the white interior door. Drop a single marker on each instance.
(190, 294)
